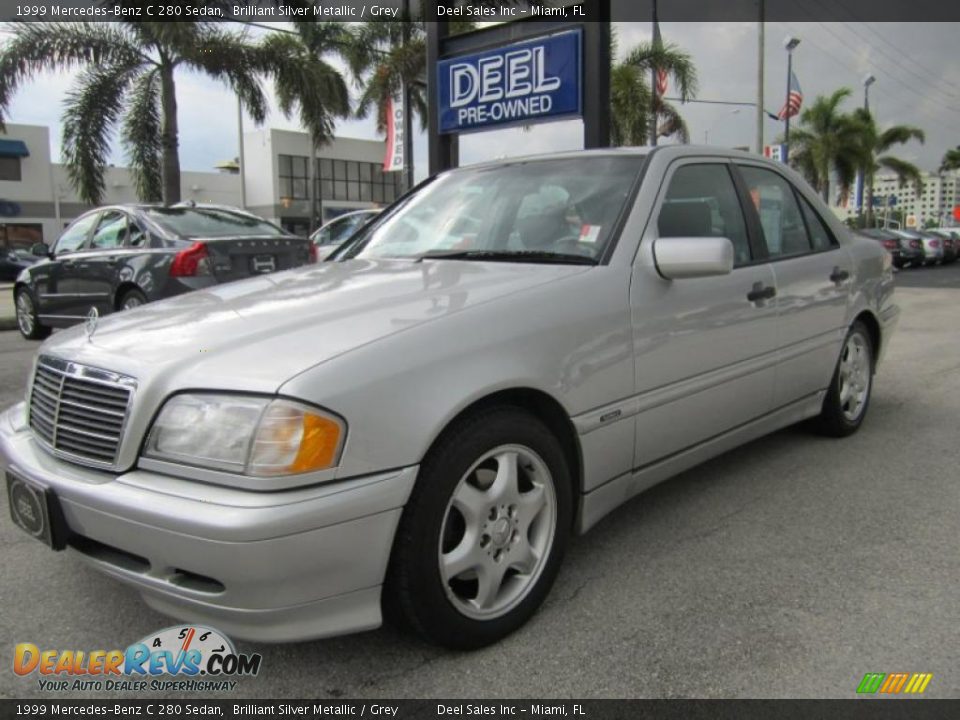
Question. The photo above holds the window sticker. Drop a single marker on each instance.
(590, 233)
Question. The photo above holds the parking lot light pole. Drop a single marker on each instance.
(868, 80)
(790, 44)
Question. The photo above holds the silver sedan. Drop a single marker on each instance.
(504, 357)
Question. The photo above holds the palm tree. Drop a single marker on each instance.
(826, 142)
(951, 160)
(874, 143)
(387, 55)
(631, 96)
(128, 77)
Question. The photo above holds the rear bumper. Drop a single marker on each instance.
(273, 566)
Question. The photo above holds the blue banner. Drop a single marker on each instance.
(523, 83)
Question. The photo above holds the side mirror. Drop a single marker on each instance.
(40, 249)
(692, 257)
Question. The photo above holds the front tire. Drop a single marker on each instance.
(848, 397)
(27, 319)
(483, 535)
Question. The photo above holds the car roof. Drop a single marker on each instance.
(671, 151)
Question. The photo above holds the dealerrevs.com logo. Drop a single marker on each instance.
(179, 658)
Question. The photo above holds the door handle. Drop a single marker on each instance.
(761, 292)
(838, 275)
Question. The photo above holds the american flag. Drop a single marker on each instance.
(661, 87)
(794, 99)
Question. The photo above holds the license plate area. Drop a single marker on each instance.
(263, 264)
(35, 510)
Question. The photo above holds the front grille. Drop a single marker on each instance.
(79, 412)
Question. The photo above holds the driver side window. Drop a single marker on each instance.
(75, 236)
(702, 201)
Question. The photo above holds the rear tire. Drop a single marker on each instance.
(848, 397)
(131, 299)
(483, 535)
(27, 319)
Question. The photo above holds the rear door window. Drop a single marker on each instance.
(111, 231)
(784, 230)
(820, 236)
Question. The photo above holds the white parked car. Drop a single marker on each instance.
(505, 356)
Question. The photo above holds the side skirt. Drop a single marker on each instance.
(597, 503)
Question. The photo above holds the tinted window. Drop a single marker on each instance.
(783, 228)
(76, 235)
(702, 202)
(110, 231)
(820, 236)
(570, 206)
(10, 168)
(209, 222)
(136, 236)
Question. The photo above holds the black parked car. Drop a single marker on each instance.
(12, 262)
(122, 256)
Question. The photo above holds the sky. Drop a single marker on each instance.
(916, 66)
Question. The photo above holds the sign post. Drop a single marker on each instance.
(517, 73)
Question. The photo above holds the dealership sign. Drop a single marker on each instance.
(523, 83)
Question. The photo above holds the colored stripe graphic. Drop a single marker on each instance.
(871, 683)
(894, 683)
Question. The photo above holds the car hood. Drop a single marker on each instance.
(258, 333)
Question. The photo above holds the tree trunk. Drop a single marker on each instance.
(169, 141)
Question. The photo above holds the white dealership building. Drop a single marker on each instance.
(37, 199)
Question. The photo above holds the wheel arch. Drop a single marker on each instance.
(544, 407)
(870, 321)
(122, 289)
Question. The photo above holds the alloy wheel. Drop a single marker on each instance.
(497, 533)
(855, 376)
(25, 313)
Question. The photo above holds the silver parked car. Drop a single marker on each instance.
(422, 426)
(932, 245)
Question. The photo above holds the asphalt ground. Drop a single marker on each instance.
(786, 568)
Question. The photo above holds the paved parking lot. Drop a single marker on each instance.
(787, 568)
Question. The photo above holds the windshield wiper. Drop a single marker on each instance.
(529, 256)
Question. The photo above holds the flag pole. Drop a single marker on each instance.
(653, 79)
(760, 59)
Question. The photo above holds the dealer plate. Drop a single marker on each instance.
(34, 509)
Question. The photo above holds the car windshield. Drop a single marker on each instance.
(209, 222)
(530, 211)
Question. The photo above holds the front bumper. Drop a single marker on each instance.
(274, 566)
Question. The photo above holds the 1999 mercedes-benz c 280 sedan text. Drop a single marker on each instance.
(503, 357)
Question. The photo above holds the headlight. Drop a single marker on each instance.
(243, 434)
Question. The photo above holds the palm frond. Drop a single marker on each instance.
(306, 84)
(140, 135)
(906, 172)
(669, 57)
(35, 47)
(92, 110)
(230, 57)
(672, 123)
(951, 160)
(899, 135)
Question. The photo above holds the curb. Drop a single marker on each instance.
(8, 323)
